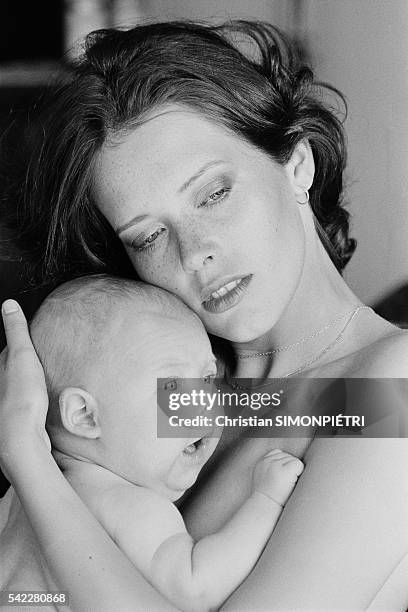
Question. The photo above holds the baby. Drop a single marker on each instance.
(103, 343)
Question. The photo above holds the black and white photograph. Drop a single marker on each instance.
(204, 305)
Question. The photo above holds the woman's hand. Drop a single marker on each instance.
(23, 393)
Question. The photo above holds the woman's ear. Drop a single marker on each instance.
(300, 169)
(79, 413)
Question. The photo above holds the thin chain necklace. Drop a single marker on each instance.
(288, 347)
(307, 364)
(330, 346)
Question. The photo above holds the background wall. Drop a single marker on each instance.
(361, 46)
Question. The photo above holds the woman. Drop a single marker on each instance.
(219, 174)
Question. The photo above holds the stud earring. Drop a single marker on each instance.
(306, 200)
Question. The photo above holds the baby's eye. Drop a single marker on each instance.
(209, 378)
(170, 385)
(147, 242)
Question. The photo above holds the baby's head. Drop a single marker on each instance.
(103, 342)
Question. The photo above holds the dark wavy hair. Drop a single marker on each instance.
(242, 75)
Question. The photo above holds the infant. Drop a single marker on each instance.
(103, 343)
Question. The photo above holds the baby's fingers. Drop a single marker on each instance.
(274, 453)
(277, 454)
(294, 466)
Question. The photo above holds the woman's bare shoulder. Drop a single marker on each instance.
(386, 357)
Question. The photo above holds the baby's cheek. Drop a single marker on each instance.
(180, 477)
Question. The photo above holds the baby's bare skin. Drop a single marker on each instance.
(151, 531)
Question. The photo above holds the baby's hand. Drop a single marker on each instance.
(276, 474)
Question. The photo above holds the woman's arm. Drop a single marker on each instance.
(82, 558)
(342, 534)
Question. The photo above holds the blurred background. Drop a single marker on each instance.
(360, 46)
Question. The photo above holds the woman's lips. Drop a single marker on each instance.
(227, 296)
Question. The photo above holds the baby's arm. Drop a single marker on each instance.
(202, 575)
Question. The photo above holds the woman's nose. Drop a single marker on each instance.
(196, 256)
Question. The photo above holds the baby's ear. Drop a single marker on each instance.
(79, 413)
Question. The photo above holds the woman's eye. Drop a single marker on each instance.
(148, 242)
(215, 197)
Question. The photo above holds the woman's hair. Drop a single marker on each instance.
(242, 75)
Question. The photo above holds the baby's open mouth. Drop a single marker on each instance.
(193, 447)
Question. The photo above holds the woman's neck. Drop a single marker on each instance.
(313, 319)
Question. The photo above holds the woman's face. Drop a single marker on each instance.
(207, 216)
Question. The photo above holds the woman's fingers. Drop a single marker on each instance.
(19, 346)
(17, 334)
(23, 393)
(15, 326)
